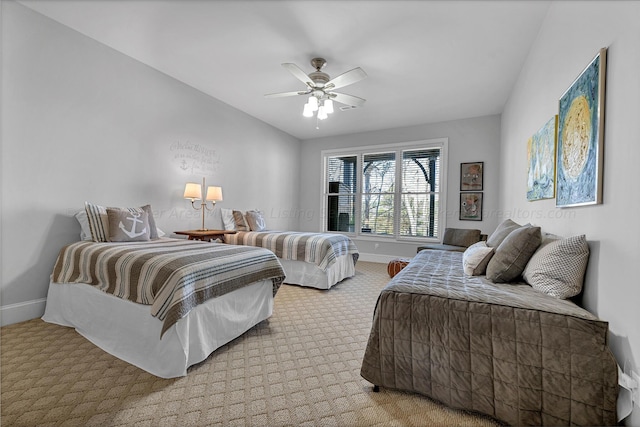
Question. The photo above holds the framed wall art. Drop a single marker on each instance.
(471, 206)
(579, 150)
(471, 176)
(541, 158)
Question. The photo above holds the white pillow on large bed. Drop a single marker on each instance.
(476, 258)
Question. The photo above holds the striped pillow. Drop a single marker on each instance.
(241, 223)
(558, 268)
(99, 221)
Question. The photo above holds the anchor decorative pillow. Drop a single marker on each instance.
(98, 221)
(128, 226)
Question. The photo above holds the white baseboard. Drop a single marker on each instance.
(382, 259)
(21, 312)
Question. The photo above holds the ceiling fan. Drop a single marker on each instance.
(320, 88)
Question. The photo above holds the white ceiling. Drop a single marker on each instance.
(427, 61)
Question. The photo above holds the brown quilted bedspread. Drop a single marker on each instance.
(505, 350)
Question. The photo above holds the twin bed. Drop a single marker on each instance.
(309, 259)
(162, 305)
(176, 301)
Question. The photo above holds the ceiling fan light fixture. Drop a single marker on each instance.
(322, 113)
(313, 103)
(328, 106)
(320, 89)
(307, 111)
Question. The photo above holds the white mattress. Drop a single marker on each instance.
(307, 274)
(128, 331)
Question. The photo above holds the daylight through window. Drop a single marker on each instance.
(391, 190)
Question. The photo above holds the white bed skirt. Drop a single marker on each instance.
(129, 332)
(308, 274)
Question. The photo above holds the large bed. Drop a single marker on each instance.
(503, 349)
(317, 260)
(162, 305)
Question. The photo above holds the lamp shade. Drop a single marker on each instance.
(307, 111)
(321, 113)
(328, 106)
(193, 191)
(214, 193)
(313, 103)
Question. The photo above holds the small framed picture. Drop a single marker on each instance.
(471, 206)
(471, 176)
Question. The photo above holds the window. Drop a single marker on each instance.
(388, 190)
(378, 193)
(341, 188)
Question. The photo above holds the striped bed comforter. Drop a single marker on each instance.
(316, 248)
(170, 275)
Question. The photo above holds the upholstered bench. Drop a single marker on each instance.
(456, 239)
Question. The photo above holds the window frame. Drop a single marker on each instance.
(398, 148)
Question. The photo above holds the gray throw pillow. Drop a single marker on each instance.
(502, 231)
(128, 226)
(558, 268)
(513, 254)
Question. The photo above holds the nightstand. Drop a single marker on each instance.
(205, 235)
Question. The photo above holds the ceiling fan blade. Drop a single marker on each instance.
(282, 94)
(298, 73)
(345, 79)
(354, 101)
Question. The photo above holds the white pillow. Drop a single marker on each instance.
(227, 219)
(558, 268)
(85, 231)
(475, 259)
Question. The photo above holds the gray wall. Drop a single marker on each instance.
(470, 140)
(84, 122)
(570, 37)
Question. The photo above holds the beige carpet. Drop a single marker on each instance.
(300, 367)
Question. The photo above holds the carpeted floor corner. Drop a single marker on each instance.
(301, 367)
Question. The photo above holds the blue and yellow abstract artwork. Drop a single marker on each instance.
(580, 139)
(541, 156)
